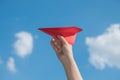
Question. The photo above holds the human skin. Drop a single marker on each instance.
(65, 54)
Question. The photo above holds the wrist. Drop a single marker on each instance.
(68, 61)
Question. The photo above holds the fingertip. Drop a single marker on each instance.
(52, 40)
(62, 39)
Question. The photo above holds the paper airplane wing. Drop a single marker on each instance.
(69, 33)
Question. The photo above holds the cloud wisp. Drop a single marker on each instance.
(24, 44)
(11, 65)
(105, 48)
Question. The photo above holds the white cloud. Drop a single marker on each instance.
(105, 48)
(24, 44)
(11, 65)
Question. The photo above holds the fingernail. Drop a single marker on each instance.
(53, 39)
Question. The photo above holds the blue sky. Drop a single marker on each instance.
(26, 54)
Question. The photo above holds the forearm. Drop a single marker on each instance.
(72, 70)
(65, 55)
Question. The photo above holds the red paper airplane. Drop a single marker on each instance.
(69, 33)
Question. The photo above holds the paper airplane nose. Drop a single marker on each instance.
(69, 33)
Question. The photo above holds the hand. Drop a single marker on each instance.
(62, 48)
(65, 54)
